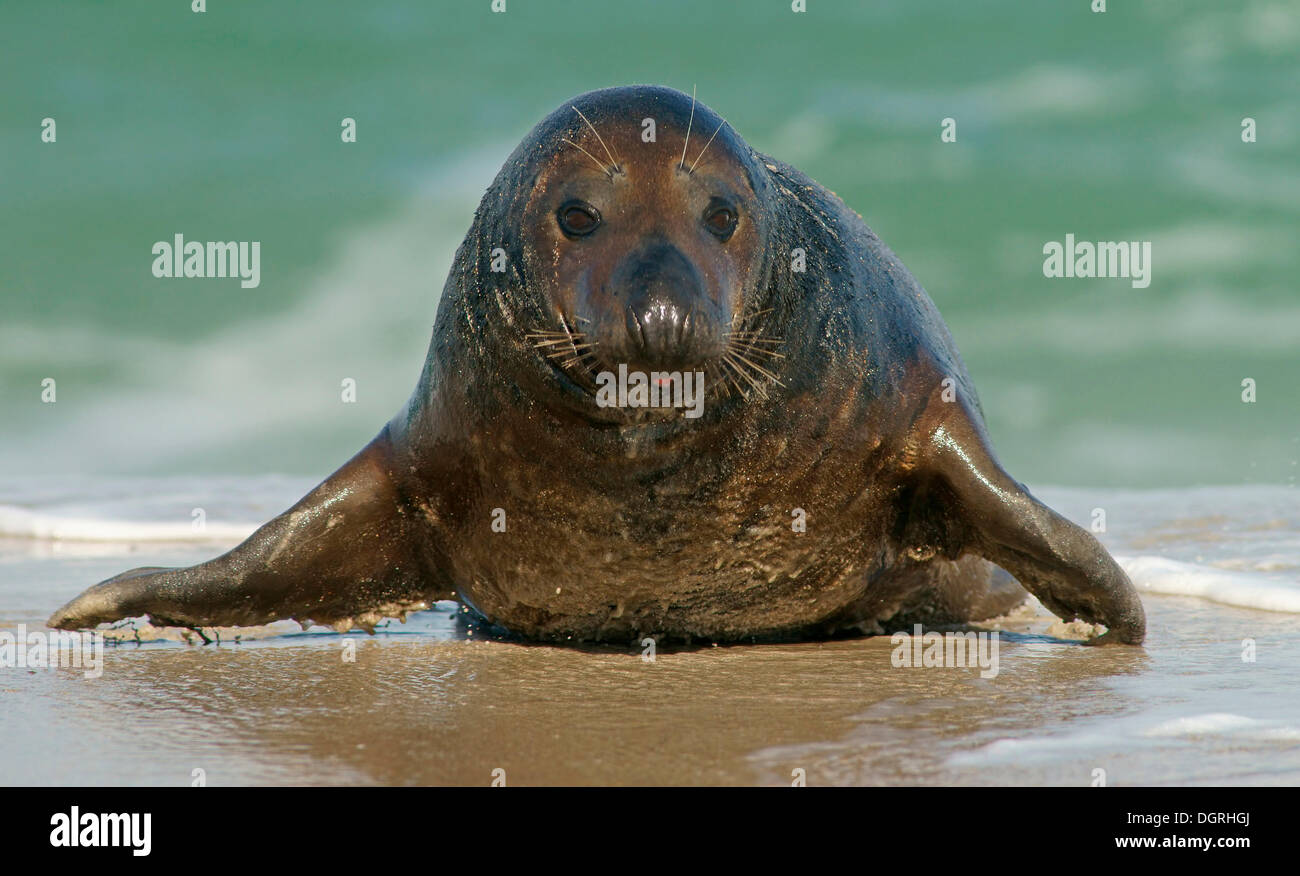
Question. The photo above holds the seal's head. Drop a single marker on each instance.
(642, 235)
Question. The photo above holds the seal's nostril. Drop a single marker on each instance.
(635, 330)
(667, 308)
(664, 333)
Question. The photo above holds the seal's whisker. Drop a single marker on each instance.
(744, 318)
(612, 160)
(587, 359)
(706, 147)
(681, 165)
(748, 370)
(753, 345)
(759, 368)
(757, 351)
(732, 381)
(755, 386)
(578, 349)
(607, 171)
(765, 352)
(569, 346)
(749, 378)
(710, 375)
(551, 342)
(570, 351)
(724, 373)
(753, 337)
(742, 373)
(562, 344)
(719, 379)
(754, 348)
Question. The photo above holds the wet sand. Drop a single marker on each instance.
(430, 704)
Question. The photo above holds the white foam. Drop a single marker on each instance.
(1243, 589)
(25, 523)
(1037, 749)
(1125, 734)
(1222, 724)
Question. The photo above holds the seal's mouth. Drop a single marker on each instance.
(747, 365)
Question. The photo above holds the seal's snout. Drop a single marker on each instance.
(670, 320)
(663, 333)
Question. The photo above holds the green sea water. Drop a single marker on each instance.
(225, 125)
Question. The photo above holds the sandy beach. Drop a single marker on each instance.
(429, 702)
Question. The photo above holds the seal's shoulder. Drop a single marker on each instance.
(891, 312)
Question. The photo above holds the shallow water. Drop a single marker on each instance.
(428, 703)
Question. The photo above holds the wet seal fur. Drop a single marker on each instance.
(835, 393)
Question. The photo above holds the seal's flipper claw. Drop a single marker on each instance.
(123, 595)
(346, 549)
(1063, 565)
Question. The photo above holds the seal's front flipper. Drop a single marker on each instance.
(1060, 563)
(346, 551)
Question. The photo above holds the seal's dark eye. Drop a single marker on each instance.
(577, 219)
(720, 219)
